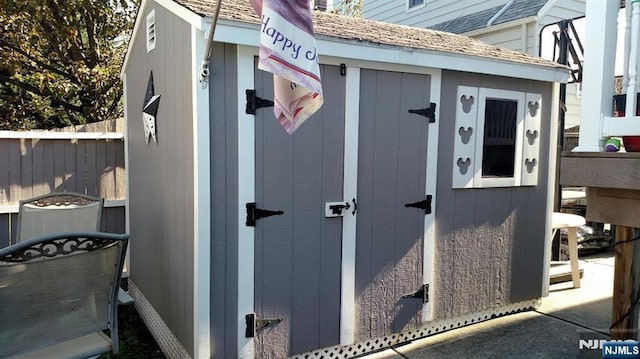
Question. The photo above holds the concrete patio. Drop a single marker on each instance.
(554, 330)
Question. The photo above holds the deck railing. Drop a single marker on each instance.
(629, 124)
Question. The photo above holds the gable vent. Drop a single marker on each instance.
(151, 30)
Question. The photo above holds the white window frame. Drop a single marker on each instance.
(485, 94)
(470, 151)
(415, 7)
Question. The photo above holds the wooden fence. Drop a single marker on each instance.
(87, 159)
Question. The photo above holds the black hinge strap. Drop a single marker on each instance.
(424, 204)
(253, 324)
(254, 102)
(422, 293)
(254, 214)
(429, 112)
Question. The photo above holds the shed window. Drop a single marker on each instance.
(496, 138)
(414, 3)
(499, 142)
(151, 30)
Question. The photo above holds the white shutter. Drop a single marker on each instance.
(464, 137)
(531, 140)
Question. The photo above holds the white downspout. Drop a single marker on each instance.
(499, 13)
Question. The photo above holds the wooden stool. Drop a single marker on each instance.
(571, 223)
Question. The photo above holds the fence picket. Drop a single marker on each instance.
(26, 167)
(5, 178)
(15, 175)
(5, 229)
(58, 166)
(91, 179)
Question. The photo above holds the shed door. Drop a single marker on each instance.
(392, 164)
(298, 253)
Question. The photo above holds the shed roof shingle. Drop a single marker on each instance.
(362, 30)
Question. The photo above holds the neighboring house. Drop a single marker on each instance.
(395, 213)
(515, 24)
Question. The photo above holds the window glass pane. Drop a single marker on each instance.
(499, 147)
(413, 3)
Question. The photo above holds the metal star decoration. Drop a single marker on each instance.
(149, 110)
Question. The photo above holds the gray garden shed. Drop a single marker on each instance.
(416, 200)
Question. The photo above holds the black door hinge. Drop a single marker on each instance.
(429, 112)
(254, 102)
(254, 214)
(422, 293)
(424, 204)
(253, 324)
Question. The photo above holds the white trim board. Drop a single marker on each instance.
(350, 190)
(201, 204)
(127, 219)
(551, 188)
(140, 18)
(246, 193)
(108, 203)
(621, 126)
(47, 135)
(366, 64)
(248, 34)
(429, 248)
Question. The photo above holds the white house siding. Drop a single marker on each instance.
(382, 10)
(510, 38)
(433, 12)
(563, 10)
(574, 103)
(533, 38)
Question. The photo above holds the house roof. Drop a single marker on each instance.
(519, 9)
(362, 30)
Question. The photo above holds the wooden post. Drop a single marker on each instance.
(624, 287)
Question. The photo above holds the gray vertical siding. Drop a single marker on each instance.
(161, 175)
(392, 163)
(224, 200)
(490, 241)
(298, 254)
(8, 226)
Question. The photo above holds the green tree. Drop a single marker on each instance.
(349, 7)
(60, 61)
